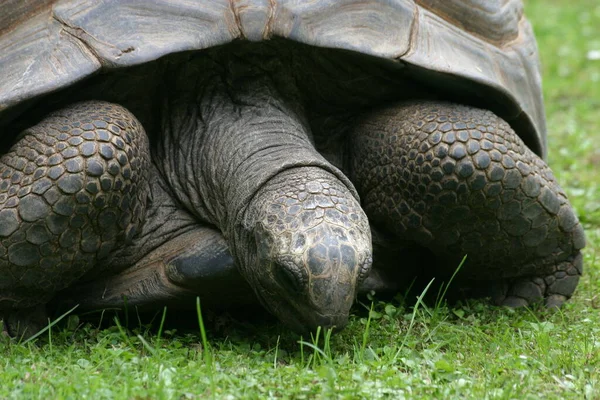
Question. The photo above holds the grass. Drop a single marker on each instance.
(388, 350)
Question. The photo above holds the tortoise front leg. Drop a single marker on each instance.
(458, 181)
(73, 189)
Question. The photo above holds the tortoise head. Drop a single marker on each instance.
(311, 249)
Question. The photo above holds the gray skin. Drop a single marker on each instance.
(246, 160)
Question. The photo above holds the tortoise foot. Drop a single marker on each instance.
(457, 181)
(551, 290)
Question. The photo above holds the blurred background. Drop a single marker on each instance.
(568, 34)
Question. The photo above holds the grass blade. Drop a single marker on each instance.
(50, 325)
(208, 360)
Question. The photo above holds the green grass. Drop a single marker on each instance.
(391, 351)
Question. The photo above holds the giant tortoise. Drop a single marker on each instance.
(288, 152)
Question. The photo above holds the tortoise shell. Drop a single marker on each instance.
(486, 47)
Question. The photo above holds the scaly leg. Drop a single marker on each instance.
(73, 189)
(458, 181)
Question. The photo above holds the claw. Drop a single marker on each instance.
(555, 300)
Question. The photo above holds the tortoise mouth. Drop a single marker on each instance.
(307, 305)
(301, 316)
(307, 321)
(335, 322)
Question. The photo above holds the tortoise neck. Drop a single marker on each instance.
(227, 136)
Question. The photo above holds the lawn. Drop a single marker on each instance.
(394, 351)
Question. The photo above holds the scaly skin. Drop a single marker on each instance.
(458, 181)
(315, 241)
(72, 189)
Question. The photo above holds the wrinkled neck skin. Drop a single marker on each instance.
(237, 152)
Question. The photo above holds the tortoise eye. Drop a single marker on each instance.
(285, 276)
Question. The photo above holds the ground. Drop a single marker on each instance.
(472, 350)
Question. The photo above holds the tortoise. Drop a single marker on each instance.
(289, 153)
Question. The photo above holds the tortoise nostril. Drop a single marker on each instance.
(287, 278)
